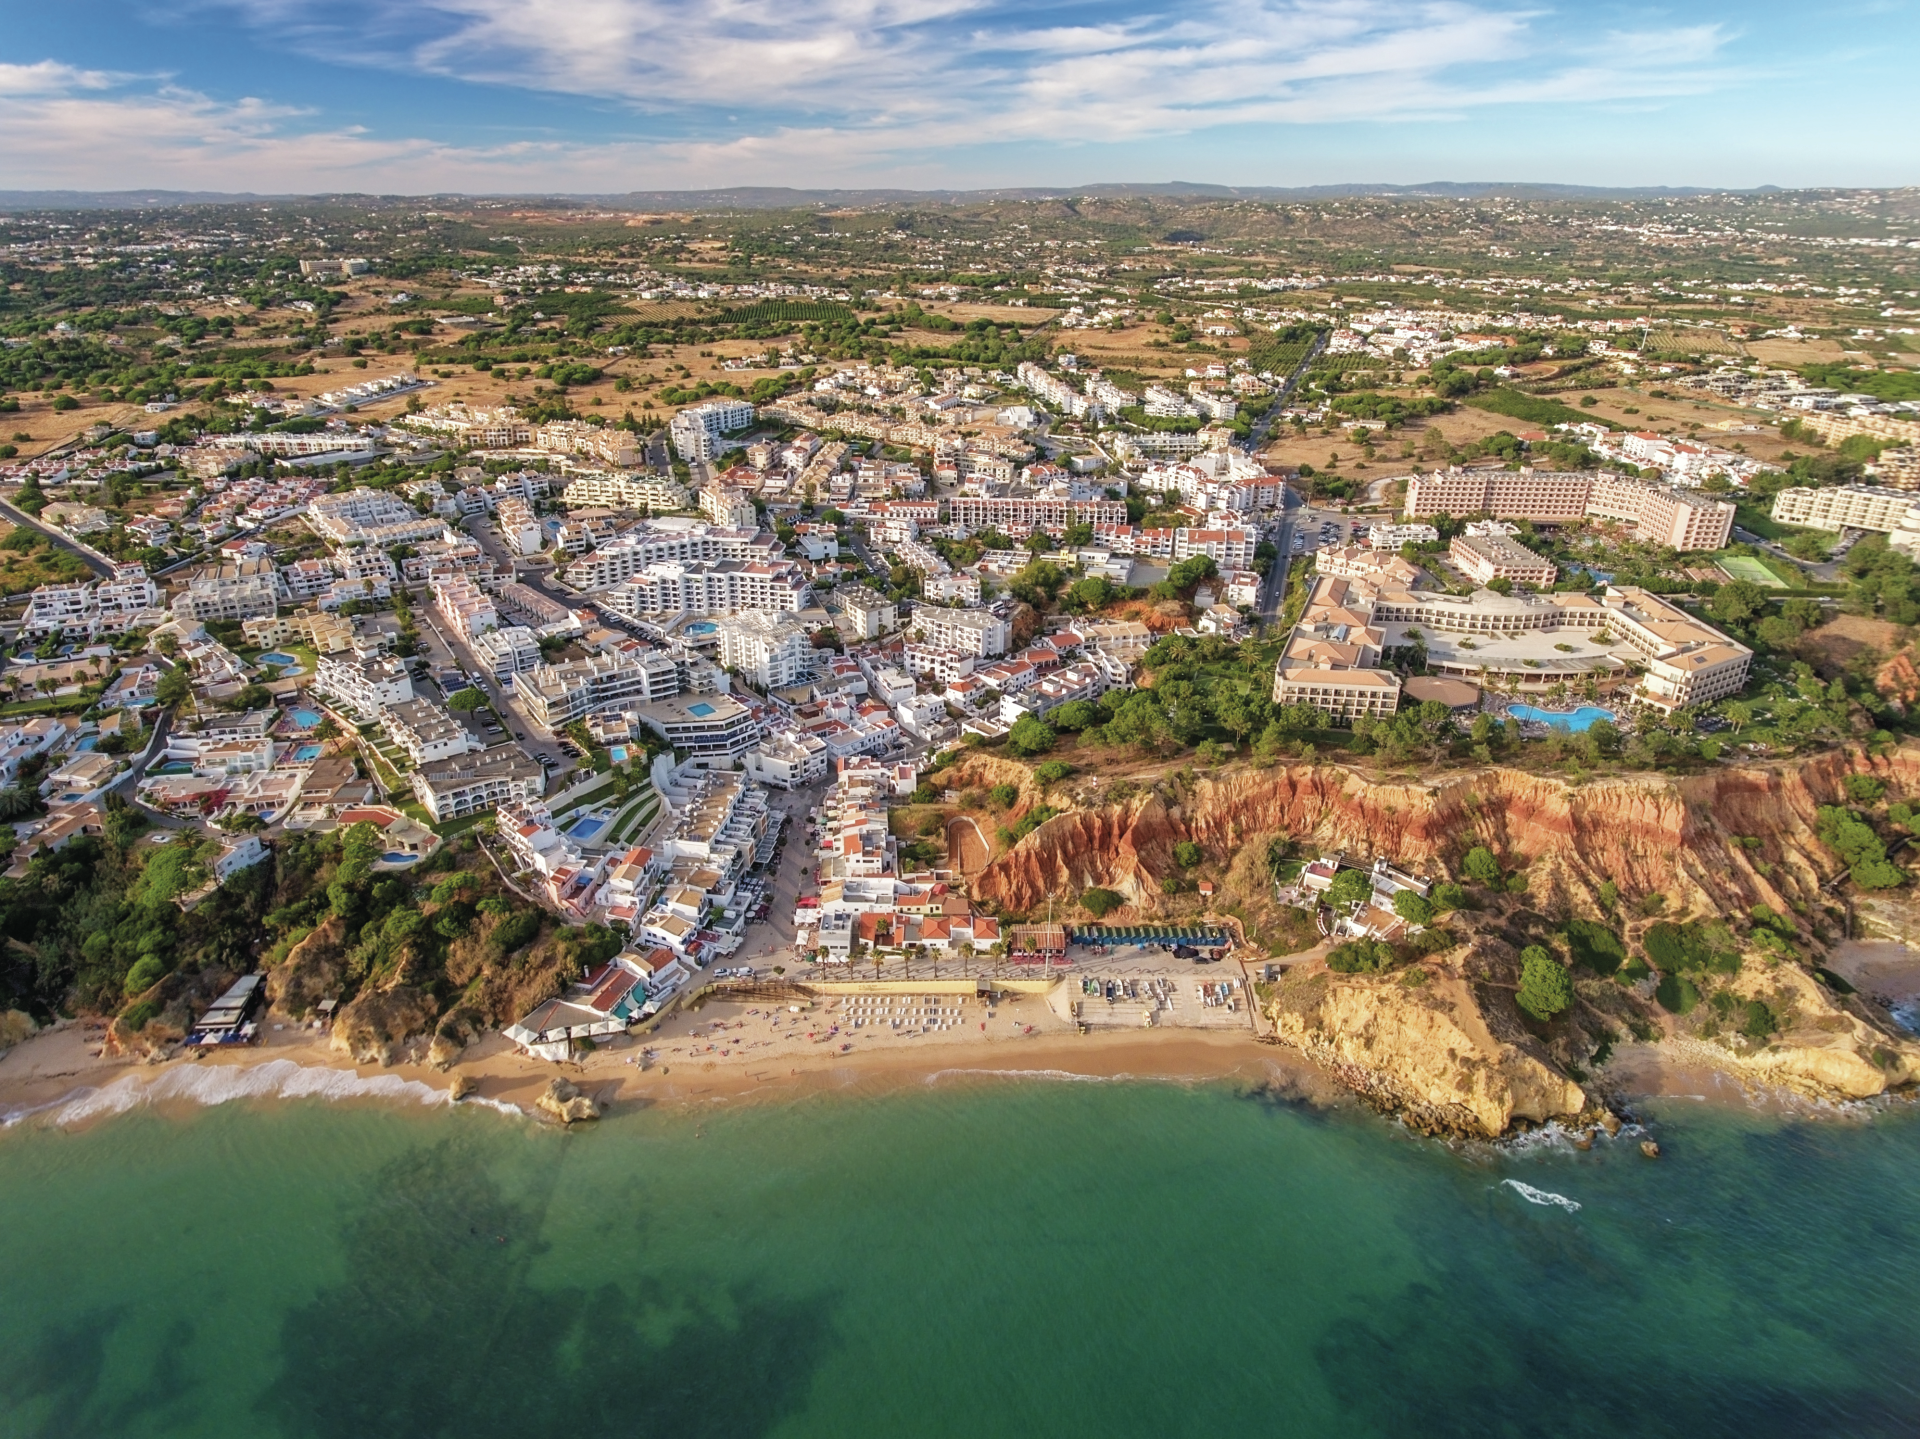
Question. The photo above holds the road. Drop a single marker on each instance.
(771, 942)
(89, 556)
(1259, 435)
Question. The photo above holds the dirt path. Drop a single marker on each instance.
(967, 847)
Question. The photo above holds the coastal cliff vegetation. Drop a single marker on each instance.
(445, 949)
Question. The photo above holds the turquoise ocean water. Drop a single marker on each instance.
(1100, 1259)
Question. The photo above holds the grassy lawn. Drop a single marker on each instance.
(459, 826)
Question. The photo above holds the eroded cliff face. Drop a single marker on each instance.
(1430, 1052)
(1645, 833)
(1449, 1048)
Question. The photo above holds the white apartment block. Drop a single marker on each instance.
(232, 592)
(1845, 507)
(698, 433)
(1055, 391)
(1660, 515)
(961, 589)
(716, 587)
(518, 527)
(305, 580)
(474, 783)
(606, 443)
(1165, 404)
(864, 614)
(465, 607)
(1228, 549)
(557, 695)
(624, 490)
(978, 633)
(1485, 558)
(771, 651)
(109, 604)
(364, 686)
(1392, 537)
(665, 541)
(425, 732)
(1020, 515)
(371, 517)
(729, 508)
(507, 651)
(942, 666)
(787, 761)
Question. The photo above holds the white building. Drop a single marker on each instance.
(771, 651)
(699, 432)
(474, 783)
(624, 490)
(1845, 507)
(364, 686)
(507, 651)
(230, 592)
(425, 732)
(557, 695)
(977, 633)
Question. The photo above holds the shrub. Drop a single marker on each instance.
(147, 971)
(1449, 896)
(1677, 994)
(1545, 990)
(1001, 796)
(1864, 788)
(1101, 902)
(1187, 854)
(1412, 908)
(1360, 956)
(140, 1015)
(1350, 886)
(1030, 736)
(1481, 866)
(1053, 771)
(1609, 894)
(1594, 946)
(1760, 1021)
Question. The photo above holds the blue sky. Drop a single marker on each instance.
(527, 96)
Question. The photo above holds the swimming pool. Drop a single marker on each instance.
(1575, 721)
(306, 719)
(306, 752)
(276, 658)
(702, 627)
(586, 828)
(394, 856)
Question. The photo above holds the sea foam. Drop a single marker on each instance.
(1542, 1196)
(222, 1084)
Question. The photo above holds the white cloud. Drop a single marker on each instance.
(868, 92)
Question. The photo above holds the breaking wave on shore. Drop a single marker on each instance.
(222, 1084)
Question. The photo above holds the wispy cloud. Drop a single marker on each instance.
(810, 91)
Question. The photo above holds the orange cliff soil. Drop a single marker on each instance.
(1646, 833)
(1448, 1048)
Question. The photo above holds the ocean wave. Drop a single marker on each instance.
(222, 1084)
(1542, 1196)
(1063, 1075)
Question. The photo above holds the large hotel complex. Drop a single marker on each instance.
(1364, 605)
(1685, 520)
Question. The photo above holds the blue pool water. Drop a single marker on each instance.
(306, 752)
(586, 828)
(702, 627)
(701, 710)
(306, 719)
(1580, 719)
(87, 743)
(617, 753)
(276, 658)
(394, 856)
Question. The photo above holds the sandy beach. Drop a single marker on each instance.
(720, 1051)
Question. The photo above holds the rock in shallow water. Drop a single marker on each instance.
(565, 1102)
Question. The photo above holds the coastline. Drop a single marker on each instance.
(53, 1078)
(728, 1052)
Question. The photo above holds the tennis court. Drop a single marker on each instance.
(1745, 567)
